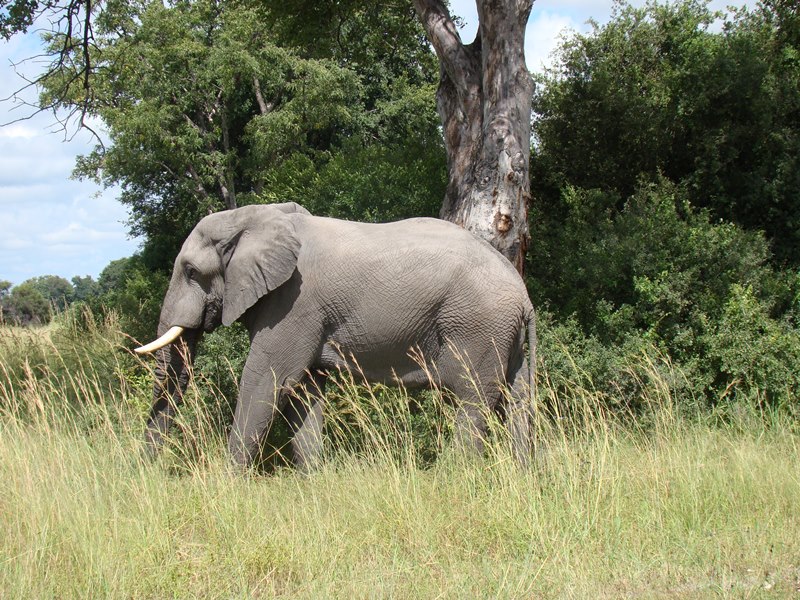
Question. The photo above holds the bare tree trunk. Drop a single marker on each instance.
(484, 101)
(227, 185)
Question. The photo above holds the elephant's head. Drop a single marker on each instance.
(229, 261)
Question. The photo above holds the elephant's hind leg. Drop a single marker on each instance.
(478, 385)
(475, 401)
(519, 413)
(304, 415)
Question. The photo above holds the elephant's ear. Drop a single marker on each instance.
(258, 259)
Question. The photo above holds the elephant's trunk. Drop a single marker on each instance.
(172, 371)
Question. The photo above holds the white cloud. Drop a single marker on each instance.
(49, 224)
(16, 130)
(544, 32)
(77, 234)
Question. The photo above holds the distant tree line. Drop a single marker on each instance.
(125, 286)
(33, 301)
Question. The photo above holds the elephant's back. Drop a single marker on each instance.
(474, 257)
(415, 254)
(421, 236)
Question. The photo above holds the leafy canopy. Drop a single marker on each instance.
(658, 91)
(215, 103)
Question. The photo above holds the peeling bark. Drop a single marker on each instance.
(484, 102)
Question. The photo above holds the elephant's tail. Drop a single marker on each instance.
(532, 343)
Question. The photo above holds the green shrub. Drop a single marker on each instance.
(134, 293)
(661, 279)
(754, 356)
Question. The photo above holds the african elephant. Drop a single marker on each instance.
(318, 293)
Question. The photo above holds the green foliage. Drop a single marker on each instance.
(657, 92)
(16, 16)
(26, 305)
(220, 360)
(84, 288)
(757, 356)
(55, 290)
(653, 264)
(134, 293)
(658, 278)
(34, 301)
(365, 183)
(666, 169)
(211, 104)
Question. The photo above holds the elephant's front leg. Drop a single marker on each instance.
(267, 375)
(253, 417)
(304, 415)
(264, 379)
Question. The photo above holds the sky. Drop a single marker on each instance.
(51, 224)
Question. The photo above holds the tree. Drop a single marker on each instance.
(134, 292)
(57, 291)
(84, 288)
(665, 153)
(483, 98)
(5, 291)
(656, 91)
(206, 104)
(27, 306)
(213, 113)
(484, 101)
(32, 301)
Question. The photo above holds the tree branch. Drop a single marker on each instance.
(262, 104)
(443, 34)
(226, 180)
(198, 182)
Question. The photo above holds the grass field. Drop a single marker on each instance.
(687, 508)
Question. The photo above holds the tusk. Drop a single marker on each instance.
(172, 334)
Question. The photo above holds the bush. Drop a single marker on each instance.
(134, 294)
(659, 278)
(755, 358)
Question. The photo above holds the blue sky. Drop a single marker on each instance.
(49, 224)
(53, 225)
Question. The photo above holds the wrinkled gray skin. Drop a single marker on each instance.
(312, 290)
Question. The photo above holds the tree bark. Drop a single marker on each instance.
(227, 185)
(484, 102)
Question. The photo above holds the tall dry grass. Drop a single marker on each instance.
(675, 507)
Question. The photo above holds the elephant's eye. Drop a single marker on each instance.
(191, 272)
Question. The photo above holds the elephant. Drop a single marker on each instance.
(318, 294)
